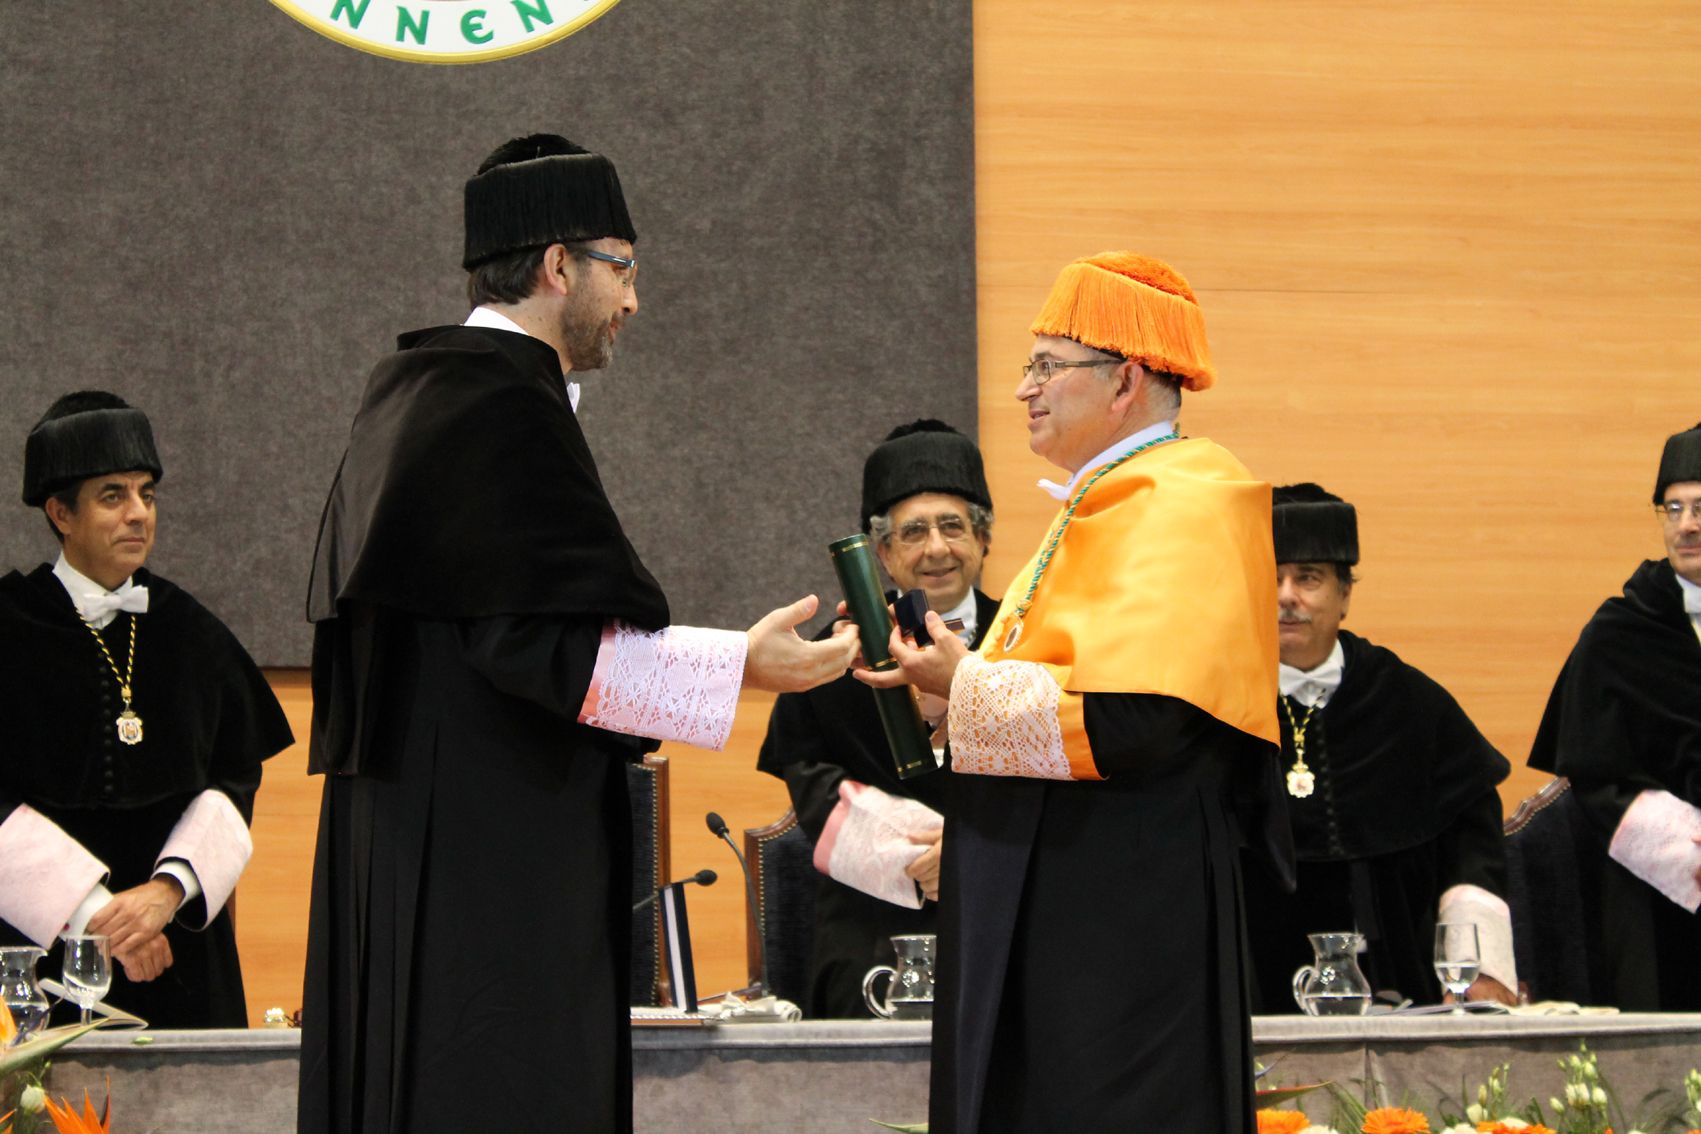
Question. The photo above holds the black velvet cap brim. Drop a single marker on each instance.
(547, 200)
(925, 461)
(66, 450)
(1680, 462)
(1324, 531)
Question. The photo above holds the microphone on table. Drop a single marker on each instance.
(717, 827)
(702, 878)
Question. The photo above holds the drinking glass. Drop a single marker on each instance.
(88, 971)
(1457, 958)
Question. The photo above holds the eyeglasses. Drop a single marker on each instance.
(1043, 370)
(627, 266)
(1672, 510)
(952, 529)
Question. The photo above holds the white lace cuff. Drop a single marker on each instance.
(866, 842)
(1004, 720)
(680, 683)
(1493, 919)
(212, 838)
(44, 874)
(1656, 842)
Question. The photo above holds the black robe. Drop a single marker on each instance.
(815, 741)
(1064, 1003)
(468, 948)
(209, 719)
(1625, 717)
(1405, 807)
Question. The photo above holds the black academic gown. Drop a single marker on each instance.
(815, 741)
(1625, 717)
(1090, 932)
(209, 719)
(1405, 807)
(468, 947)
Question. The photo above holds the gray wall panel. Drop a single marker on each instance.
(227, 218)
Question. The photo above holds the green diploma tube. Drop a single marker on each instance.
(900, 716)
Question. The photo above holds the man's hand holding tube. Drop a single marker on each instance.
(929, 668)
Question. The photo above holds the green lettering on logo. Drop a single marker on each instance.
(347, 8)
(472, 27)
(405, 25)
(533, 15)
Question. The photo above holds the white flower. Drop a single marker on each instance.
(1597, 1096)
(1319, 1130)
(1462, 1128)
(1477, 1113)
(32, 1100)
(1512, 1123)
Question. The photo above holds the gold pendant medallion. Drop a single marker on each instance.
(129, 727)
(1301, 783)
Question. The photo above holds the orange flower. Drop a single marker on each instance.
(1502, 1128)
(66, 1120)
(1282, 1121)
(8, 1029)
(1394, 1120)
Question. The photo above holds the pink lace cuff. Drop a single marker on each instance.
(1656, 842)
(44, 874)
(212, 838)
(866, 842)
(1004, 720)
(680, 683)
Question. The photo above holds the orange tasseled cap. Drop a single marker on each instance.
(1134, 306)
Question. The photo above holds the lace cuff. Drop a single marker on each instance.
(44, 874)
(1493, 919)
(680, 683)
(212, 838)
(1655, 842)
(1004, 720)
(866, 842)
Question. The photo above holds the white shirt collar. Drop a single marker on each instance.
(1314, 686)
(86, 594)
(495, 320)
(1128, 444)
(1691, 598)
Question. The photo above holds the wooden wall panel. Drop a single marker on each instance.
(1450, 255)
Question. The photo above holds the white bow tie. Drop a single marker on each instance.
(1326, 678)
(95, 607)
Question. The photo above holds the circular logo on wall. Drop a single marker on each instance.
(446, 31)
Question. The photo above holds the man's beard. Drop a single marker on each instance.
(589, 340)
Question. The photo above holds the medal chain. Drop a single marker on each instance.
(124, 678)
(1299, 773)
(1063, 526)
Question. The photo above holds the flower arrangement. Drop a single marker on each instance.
(26, 1061)
(1586, 1104)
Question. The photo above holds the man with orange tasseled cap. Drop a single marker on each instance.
(1113, 741)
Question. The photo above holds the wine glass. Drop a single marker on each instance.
(1458, 958)
(88, 971)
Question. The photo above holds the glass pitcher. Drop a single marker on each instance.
(909, 995)
(19, 991)
(1333, 985)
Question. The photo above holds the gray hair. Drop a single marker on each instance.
(980, 519)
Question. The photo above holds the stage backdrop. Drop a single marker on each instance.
(227, 219)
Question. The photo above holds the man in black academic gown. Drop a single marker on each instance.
(926, 505)
(488, 653)
(1111, 742)
(1624, 723)
(136, 724)
(1390, 789)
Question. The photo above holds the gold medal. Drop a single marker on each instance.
(129, 727)
(1301, 782)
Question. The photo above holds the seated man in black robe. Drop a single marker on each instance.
(136, 724)
(926, 504)
(1624, 723)
(1390, 789)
